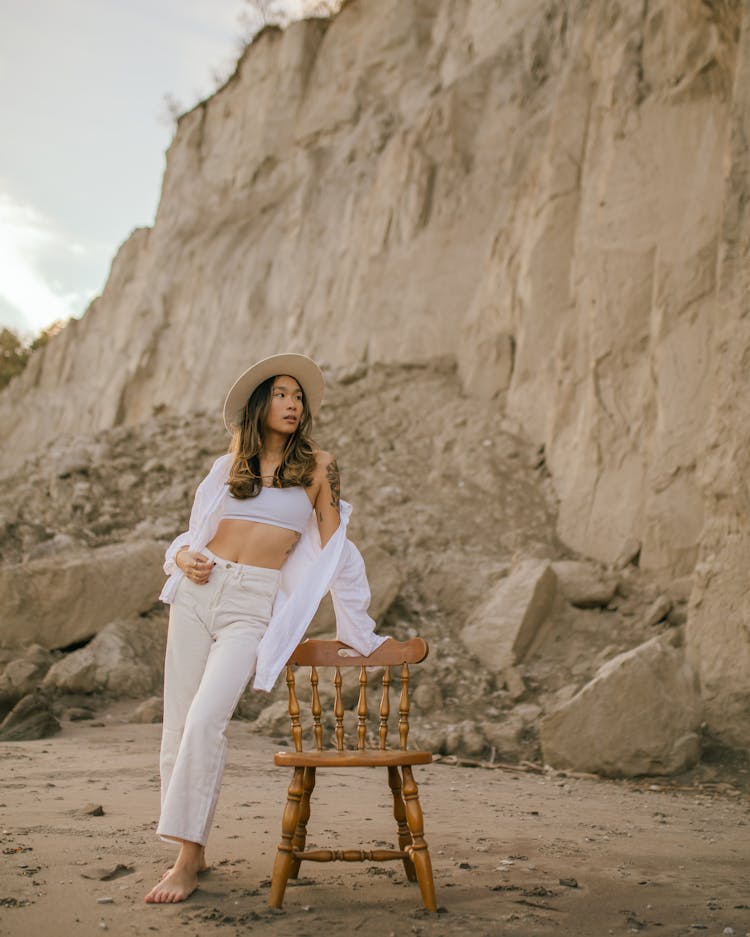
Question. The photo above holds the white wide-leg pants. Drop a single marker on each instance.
(212, 644)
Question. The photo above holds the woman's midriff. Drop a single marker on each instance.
(252, 543)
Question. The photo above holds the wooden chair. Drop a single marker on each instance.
(412, 851)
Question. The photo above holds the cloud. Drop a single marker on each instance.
(28, 242)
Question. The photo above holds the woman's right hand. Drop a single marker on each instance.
(196, 566)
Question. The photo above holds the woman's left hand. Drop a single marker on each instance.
(196, 566)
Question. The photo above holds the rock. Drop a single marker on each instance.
(125, 659)
(629, 553)
(677, 616)
(679, 590)
(60, 543)
(22, 675)
(149, 711)
(90, 810)
(657, 611)
(73, 461)
(501, 630)
(583, 585)
(127, 482)
(427, 738)
(108, 873)
(718, 632)
(65, 600)
(385, 580)
(504, 735)
(487, 368)
(473, 742)
(427, 696)
(453, 739)
(160, 528)
(274, 720)
(78, 714)
(252, 703)
(641, 714)
(464, 738)
(351, 374)
(529, 713)
(29, 719)
(567, 692)
(514, 682)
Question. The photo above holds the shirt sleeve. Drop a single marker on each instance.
(350, 592)
(184, 539)
(181, 540)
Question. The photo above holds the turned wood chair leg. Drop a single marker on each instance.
(300, 834)
(284, 854)
(399, 813)
(418, 851)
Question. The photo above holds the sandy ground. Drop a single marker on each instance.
(631, 859)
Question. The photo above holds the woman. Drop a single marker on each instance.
(266, 541)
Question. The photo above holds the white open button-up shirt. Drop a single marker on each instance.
(308, 574)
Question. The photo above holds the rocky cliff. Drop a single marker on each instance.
(553, 193)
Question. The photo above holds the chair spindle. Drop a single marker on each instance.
(316, 709)
(403, 708)
(338, 711)
(294, 710)
(385, 710)
(362, 709)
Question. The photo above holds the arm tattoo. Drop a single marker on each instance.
(332, 474)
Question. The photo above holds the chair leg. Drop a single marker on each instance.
(419, 852)
(399, 814)
(300, 834)
(284, 855)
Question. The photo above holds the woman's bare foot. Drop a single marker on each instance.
(177, 885)
(201, 870)
(203, 867)
(181, 880)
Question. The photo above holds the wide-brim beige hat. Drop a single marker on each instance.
(303, 369)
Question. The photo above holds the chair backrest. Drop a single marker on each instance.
(317, 654)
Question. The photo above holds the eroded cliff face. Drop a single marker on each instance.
(555, 193)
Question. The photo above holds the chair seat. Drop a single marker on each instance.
(352, 758)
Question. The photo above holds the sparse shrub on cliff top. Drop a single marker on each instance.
(15, 353)
(13, 356)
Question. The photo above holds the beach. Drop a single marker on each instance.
(514, 852)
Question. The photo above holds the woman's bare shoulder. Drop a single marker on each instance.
(323, 460)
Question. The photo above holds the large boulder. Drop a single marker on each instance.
(31, 718)
(583, 584)
(502, 629)
(22, 675)
(61, 601)
(126, 658)
(718, 630)
(641, 714)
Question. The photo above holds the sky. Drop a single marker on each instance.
(84, 130)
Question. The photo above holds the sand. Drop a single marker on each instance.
(513, 852)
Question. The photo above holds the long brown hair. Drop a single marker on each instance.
(297, 460)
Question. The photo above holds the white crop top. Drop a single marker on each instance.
(280, 507)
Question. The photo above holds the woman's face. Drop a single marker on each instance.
(285, 409)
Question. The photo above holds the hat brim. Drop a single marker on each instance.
(303, 369)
